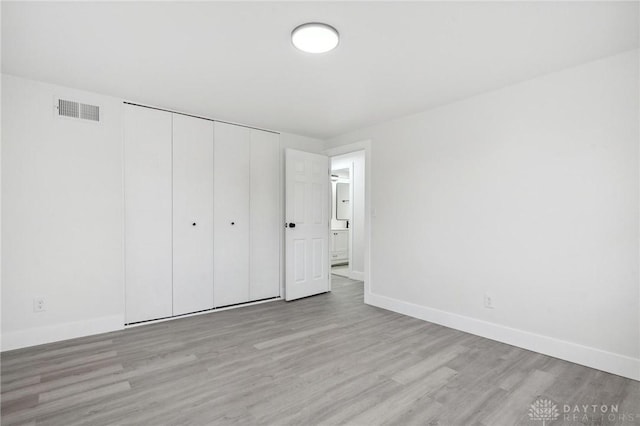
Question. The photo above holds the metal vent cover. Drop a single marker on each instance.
(73, 109)
(68, 108)
(90, 112)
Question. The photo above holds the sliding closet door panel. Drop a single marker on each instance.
(192, 214)
(232, 146)
(147, 192)
(265, 216)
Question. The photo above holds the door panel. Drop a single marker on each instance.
(232, 149)
(147, 192)
(298, 202)
(264, 216)
(318, 203)
(307, 206)
(318, 258)
(192, 214)
(299, 260)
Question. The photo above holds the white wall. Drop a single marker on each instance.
(529, 193)
(356, 162)
(61, 216)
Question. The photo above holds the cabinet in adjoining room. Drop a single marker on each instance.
(339, 246)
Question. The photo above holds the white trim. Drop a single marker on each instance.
(329, 222)
(365, 146)
(55, 333)
(283, 219)
(584, 355)
(352, 202)
(123, 235)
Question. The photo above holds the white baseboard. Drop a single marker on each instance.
(54, 333)
(356, 275)
(584, 355)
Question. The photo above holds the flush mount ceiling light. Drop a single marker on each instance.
(315, 37)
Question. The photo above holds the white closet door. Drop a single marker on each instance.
(265, 221)
(192, 214)
(147, 192)
(232, 148)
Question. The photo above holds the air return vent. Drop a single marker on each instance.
(90, 112)
(74, 109)
(68, 108)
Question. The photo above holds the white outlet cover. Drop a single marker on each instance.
(488, 302)
(38, 304)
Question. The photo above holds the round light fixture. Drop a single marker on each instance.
(315, 37)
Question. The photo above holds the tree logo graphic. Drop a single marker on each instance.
(543, 409)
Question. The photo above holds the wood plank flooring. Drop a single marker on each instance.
(327, 360)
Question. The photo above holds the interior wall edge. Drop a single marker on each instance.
(337, 141)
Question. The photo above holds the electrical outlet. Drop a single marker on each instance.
(488, 301)
(38, 304)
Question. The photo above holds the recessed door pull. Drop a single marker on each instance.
(233, 223)
(193, 224)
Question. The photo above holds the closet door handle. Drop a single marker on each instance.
(193, 224)
(292, 225)
(233, 223)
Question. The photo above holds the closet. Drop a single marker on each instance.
(202, 214)
(246, 214)
(148, 220)
(192, 214)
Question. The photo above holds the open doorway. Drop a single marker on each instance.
(309, 217)
(347, 234)
(341, 218)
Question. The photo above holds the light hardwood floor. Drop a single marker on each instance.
(327, 359)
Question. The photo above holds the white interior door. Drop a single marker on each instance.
(265, 216)
(147, 193)
(192, 214)
(307, 216)
(232, 148)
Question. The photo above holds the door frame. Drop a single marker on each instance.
(364, 145)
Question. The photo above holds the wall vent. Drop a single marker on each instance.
(68, 108)
(74, 109)
(90, 112)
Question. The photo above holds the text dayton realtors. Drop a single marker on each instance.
(611, 412)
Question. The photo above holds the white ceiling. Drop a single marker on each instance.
(234, 61)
